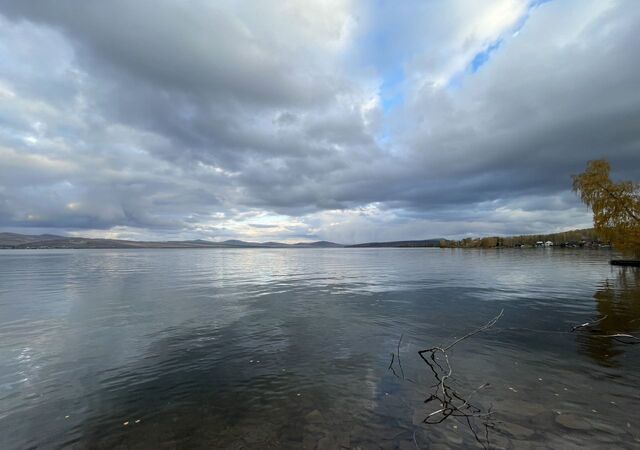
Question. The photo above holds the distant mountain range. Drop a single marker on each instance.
(24, 241)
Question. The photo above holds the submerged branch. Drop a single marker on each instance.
(620, 337)
(451, 403)
(588, 324)
(395, 359)
(393, 355)
(623, 338)
(400, 361)
(445, 395)
(484, 327)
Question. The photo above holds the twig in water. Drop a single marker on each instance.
(623, 338)
(620, 337)
(391, 365)
(484, 327)
(399, 361)
(451, 403)
(588, 324)
(396, 357)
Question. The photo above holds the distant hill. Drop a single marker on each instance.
(423, 243)
(11, 239)
(571, 238)
(318, 244)
(42, 241)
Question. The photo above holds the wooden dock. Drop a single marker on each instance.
(625, 262)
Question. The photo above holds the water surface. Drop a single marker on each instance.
(290, 348)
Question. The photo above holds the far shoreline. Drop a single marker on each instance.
(585, 238)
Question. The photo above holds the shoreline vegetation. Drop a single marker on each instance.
(572, 239)
(615, 206)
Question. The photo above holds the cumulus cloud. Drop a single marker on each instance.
(299, 120)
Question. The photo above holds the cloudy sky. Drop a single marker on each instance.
(301, 120)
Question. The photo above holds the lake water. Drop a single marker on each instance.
(271, 348)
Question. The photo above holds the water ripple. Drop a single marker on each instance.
(283, 348)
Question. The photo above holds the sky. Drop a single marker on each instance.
(304, 120)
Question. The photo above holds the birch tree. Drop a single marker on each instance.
(616, 206)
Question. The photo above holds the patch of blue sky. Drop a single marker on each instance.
(535, 3)
(391, 89)
(481, 58)
(387, 48)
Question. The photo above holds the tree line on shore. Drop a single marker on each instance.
(573, 238)
(616, 217)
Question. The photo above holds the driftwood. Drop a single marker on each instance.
(623, 338)
(588, 324)
(625, 262)
(452, 403)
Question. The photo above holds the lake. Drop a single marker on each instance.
(291, 348)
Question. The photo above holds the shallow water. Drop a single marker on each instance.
(284, 348)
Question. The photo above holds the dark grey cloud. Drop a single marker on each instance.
(194, 118)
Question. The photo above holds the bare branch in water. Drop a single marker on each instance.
(451, 403)
(399, 361)
(588, 324)
(484, 327)
(415, 441)
(623, 338)
(393, 355)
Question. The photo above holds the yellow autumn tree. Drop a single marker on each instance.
(616, 206)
